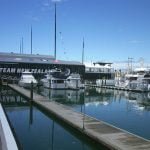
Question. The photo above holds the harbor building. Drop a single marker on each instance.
(13, 64)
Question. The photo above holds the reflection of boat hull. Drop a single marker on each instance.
(73, 96)
(75, 85)
(27, 84)
(107, 82)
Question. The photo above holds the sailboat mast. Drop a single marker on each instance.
(31, 39)
(22, 45)
(55, 34)
(83, 52)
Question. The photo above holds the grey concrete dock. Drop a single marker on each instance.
(0, 144)
(99, 131)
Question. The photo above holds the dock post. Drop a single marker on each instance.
(102, 82)
(0, 81)
(0, 85)
(7, 81)
(31, 95)
(83, 128)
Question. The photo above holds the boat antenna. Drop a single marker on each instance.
(31, 39)
(22, 45)
(83, 51)
(55, 34)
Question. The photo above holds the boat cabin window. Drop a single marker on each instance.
(147, 76)
(132, 78)
(58, 81)
(147, 81)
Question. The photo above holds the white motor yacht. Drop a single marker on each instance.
(26, 79)
(74, 81)
(138, 80)
(55, 79)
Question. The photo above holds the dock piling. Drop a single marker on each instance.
(31, 93)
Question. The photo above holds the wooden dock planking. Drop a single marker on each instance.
(99, 131)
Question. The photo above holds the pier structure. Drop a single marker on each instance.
(13, 64)
(98, 131)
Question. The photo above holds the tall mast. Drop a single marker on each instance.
(31, 39)
(22, 45)
(83, 52)
(55, 34)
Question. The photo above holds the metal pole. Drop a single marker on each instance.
(22, 45)
(31, 96)
(31, 39)
(83, 52)
(83, 111)
(55, 34)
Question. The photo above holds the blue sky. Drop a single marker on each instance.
(113, 29)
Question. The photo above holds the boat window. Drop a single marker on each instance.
(147, 76)
(44, 60)
(60, 81)
(18, 59)
(132, 78)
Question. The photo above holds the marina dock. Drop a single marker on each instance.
(98, 131)
(115, 88)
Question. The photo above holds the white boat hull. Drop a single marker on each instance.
(51, 85)
(107, 82)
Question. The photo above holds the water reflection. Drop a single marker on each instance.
(126, 110)
(139, 101)
(63, 96)
(11, 98)
(44, 133)
(38, 130)
(97, 96)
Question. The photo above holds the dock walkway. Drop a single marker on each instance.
(99, 131)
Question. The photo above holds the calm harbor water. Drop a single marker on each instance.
(36, 130)
(126, 110)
